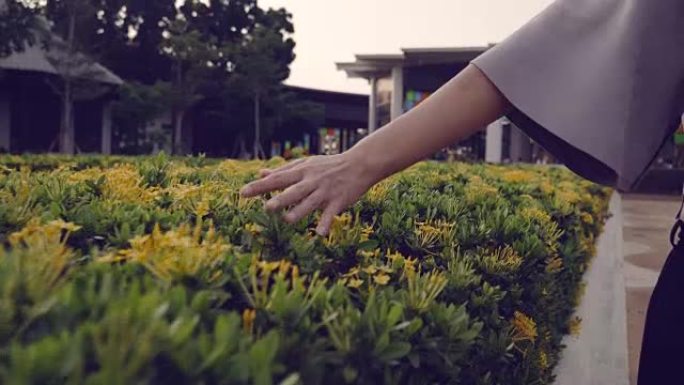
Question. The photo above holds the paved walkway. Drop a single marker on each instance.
(646, 228)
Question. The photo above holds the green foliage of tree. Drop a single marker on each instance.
(262, 63)
(178, 54)
(192, 56)
(137, 105)
(18, 24)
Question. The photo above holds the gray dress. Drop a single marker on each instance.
(599, 83)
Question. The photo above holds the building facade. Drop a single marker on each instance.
(399, 82)
(31, 106)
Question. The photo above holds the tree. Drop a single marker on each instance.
(127, 36)
(192, 58)
(166, 42)
(137, 105)
(262, 63)
(294, 116)
(76, 70)
(18, 25)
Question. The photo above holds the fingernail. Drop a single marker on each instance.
(271, 205)
(245, 190)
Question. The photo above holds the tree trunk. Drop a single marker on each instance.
(178, 132)
(243, 154)
(258, 150)
(67, 137)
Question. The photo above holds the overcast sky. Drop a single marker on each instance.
(329, 31)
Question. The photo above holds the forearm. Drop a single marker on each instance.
(461, 107)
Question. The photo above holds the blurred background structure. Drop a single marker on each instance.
(199, 76)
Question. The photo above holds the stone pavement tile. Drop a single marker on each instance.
(637, 303)
(646, 229)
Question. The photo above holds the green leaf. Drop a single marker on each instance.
(292, 379)
(395, 351)
(395, 314)
(350, 374)
(368, 245)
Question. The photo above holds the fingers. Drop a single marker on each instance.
(292, 195)
(327, 218)
(304, 208)
(267, 171)
(277, 181)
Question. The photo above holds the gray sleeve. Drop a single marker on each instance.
(598, 83)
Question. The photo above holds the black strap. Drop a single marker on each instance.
(678, 226)
(676, 230)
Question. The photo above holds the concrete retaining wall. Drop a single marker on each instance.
(599, 355)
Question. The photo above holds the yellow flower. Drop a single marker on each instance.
(410, 267)
(45, 258)
(502, 260)
(546, 187)
(575, 326)
(176, 253)
(381, 279)
(355, 283)
(124, 183)
(535, 214)
(477, 189)
(567, 196)
(378, 193)
(284, 267)
(524, 327)
(370, 269)
(68, 226)
(581, 289)
(428, 233)
(517, 176)
(248, 317)
(253, 229)
(554, 264)
(368, 254)
(393, 257)
(587, 218)
(543, 360)
(202, 208)
(339, 229)
(366, 232)
(269, 267)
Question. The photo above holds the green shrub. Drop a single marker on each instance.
(155, 271)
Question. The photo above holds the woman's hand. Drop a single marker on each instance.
(464, 105)
(329, 183)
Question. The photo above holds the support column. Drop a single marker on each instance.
(373, 106)
(5, 122)
(494, 142)
(397, 107)
(106, 147)
(521, 146)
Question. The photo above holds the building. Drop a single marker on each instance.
(341, 121)
(345, 121)
(399, 82)
(31, 107)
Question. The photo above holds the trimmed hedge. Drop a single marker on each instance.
(156, 271)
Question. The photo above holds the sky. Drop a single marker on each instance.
(330, 31)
